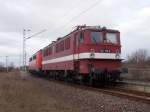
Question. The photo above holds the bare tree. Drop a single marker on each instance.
(148, 60)
(139, 56)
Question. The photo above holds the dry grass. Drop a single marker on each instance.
(25, 94)
(137, 72)
(19, 92)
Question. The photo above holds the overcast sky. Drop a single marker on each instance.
(130, 17)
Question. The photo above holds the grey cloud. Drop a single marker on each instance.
(130, 17)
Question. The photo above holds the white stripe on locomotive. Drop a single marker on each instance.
(82, 56)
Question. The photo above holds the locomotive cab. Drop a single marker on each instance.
(98, 52)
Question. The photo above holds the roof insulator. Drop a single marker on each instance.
(58, 38)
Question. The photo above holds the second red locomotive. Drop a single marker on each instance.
(87, 54)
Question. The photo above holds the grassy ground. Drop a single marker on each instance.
(20, 92)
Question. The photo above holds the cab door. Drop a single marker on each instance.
(76, 51)
(76, 45)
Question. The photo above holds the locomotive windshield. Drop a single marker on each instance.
(111, 38)
(96, 37)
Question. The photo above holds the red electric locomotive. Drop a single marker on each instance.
(35, 62)
(87, 54)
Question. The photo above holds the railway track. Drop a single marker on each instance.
(111, 90)
(133, 83)
(129, 94)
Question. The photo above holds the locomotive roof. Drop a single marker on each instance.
(36, 52)
(96, 28)
(82, 28)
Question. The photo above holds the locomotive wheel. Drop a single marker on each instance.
(66, 77)
(91, 81)
(81, 82)
(80, 79)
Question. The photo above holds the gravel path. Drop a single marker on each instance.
(23, 93)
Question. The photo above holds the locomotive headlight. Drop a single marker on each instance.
(117, 54)
(92, 54)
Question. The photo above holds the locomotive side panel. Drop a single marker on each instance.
(60, 58)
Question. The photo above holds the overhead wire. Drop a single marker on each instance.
(67, 13)
(70, 11)
(78, 15)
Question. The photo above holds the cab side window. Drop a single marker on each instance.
(81, 38)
